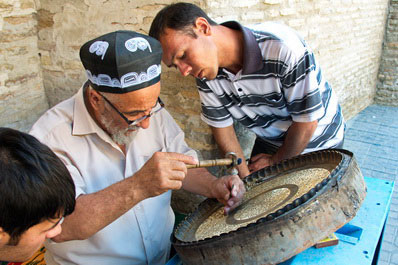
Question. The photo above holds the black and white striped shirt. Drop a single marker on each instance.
(280, 82)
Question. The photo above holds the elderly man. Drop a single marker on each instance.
(36, 192)
(125, 154)
(265, 77)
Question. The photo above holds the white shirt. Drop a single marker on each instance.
(140, 236)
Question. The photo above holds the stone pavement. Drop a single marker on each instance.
(372, 136)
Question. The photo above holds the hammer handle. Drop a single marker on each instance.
(212, 163)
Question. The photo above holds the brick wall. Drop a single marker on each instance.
(22, 97)
(387, 86)
(346, 36)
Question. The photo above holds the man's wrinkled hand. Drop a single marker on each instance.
(162, 172)
(229, 190)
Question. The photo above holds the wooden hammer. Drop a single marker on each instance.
(230, 160)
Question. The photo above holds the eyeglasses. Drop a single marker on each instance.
(159, 105)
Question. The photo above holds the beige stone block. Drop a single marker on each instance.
(94, 2)
(27, 4)
(6, 67)
(3, 79)
(21, 79)
(33, 62)
(45, 58)
(72, 65)
(296, 23)
(232, 16)
(45, 19)
(272, 13)
(393, 45)
(246, 3)
(216, 4)
(272, 2)
(6, 6)
(23, 69)
(17, 19)
(253, 16)
(16, 51)
(8, 37)
(287, 11)
(1, 22)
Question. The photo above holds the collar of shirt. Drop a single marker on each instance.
(252, 58)
(83, 123)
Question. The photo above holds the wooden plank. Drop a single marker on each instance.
(371, 218)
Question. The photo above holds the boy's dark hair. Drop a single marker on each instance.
(34, 184)
(179, 16)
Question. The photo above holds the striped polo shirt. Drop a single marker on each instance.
(280, 82)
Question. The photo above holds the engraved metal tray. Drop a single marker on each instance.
(286, 209)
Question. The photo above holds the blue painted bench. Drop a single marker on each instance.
(360, 239)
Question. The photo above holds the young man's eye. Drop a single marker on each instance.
(183, 56)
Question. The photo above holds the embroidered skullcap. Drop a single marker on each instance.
(122, 61)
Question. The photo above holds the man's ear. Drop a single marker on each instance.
(93, 98)
(3, 235)
(203, 26)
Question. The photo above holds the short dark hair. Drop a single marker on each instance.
(35, 185)
(179, 16)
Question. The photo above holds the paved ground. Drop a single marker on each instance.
(372, 136)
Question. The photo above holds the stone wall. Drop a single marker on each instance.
(22, 97)
(65, 25)
(346, 36)
(387, 86)
(40, 40)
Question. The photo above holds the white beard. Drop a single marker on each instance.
(124, 137)
(119, 136)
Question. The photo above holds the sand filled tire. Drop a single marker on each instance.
(287, 208)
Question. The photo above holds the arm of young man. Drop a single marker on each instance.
(297, 138)
(228, 142)
(217, 116)
(162, 172)
(300, 83)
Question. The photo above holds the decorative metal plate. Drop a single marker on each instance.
(275, 195)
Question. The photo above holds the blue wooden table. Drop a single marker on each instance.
(371, 217)
(359, 248)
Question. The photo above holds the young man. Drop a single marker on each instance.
(125, 154)
(265, 77)
(36, 192)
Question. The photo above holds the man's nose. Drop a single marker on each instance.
(144, 124)
(184, 68)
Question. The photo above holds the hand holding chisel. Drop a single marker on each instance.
(231, 184)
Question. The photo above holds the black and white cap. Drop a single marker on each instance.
(122, 61)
